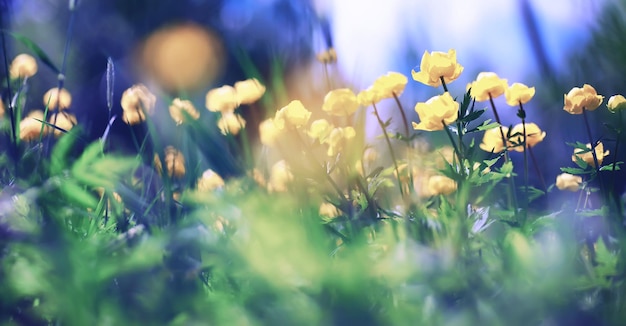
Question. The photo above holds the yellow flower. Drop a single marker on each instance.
(368, 96)
(222, 99)
(616, 102)
(487, 84)
(337, 139)
(249, 90)
(133, 117)
(30, 128)
(280, 177)
(53, 97)
(329, 210)
(174, 161)
(328, 56)
(231, 123)
(588, 156)
(435, 112)
(179, 106)
(258, 177)
(570, 182)
(441, 185)
(436, 65)
(492, 140)
(534, 135)
(320, 129)
(518, 93)
(138, 98)
(293, 115)
(390, 85)
(210, 181)
(23, 66)
(340, 102)
(579, 98)
(62, 120)
(269, 133)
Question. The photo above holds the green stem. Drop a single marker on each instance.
(537, 170)
(391, 152)
(443, 83)
(522, 114)
(405, 123)
(461, 170)
(593, 152)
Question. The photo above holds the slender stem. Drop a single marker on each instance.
(513, 194)
(14, 141)
(405, 123)
(461, 170)
(317, 163)
(327, 76)
(522, 114)
(537, 170)
(391, 152)
(593, 150)
(443, 83)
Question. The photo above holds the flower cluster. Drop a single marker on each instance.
(226, 99)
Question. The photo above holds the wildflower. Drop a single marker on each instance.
(329, 210)
(337, 139)
(23, 66)
(138, 98)
(293, 115)
(441, 185)
(492, 140)
(280, 177)
(258, 177)
(320, 129)
(518, 93)
(231, 123)
(534, 135)
(368, 96)
(487, 85)
(210, 181)
(222, 99)
(249, 90)
(616, 102)
(179, 106)
(340, 102)
(62, 120)
(328, 56)
(569, 182)
(390, 85)
(588, 156)
(579, 98)
(435, 112)
(31, 126)
(269, 132)
(133, 117)
(370, 155)
(437, 65)
(174, 162)
(53, 97)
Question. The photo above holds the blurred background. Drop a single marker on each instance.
(188, 46)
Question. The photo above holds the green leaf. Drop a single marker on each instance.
(609, 167)
(473, 116)
(77, 194)
(37, 51)
(575, 171)
(58, 157)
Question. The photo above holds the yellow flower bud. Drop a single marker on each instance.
(487, 85)
(436, 65)
(53, 97)
(435, 112)
(62, 120)
(280, 177)
(133, 117)
(210, 181)
(293, 115)
(138, 99)
(340, 102)
(328, 56)
(249, 90)
(569, 182)
(441, 185)
(222, 99)
(174, 162)
(492, 140)
(579, 98)
(588, 156)
(370, 155)
(534, 135)
(616, 102)
(23, 66)
(179, 106)
(390, 85)
(30, 129)
(231, 123)
(269, 133)
(518, 93)
(320, 129)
